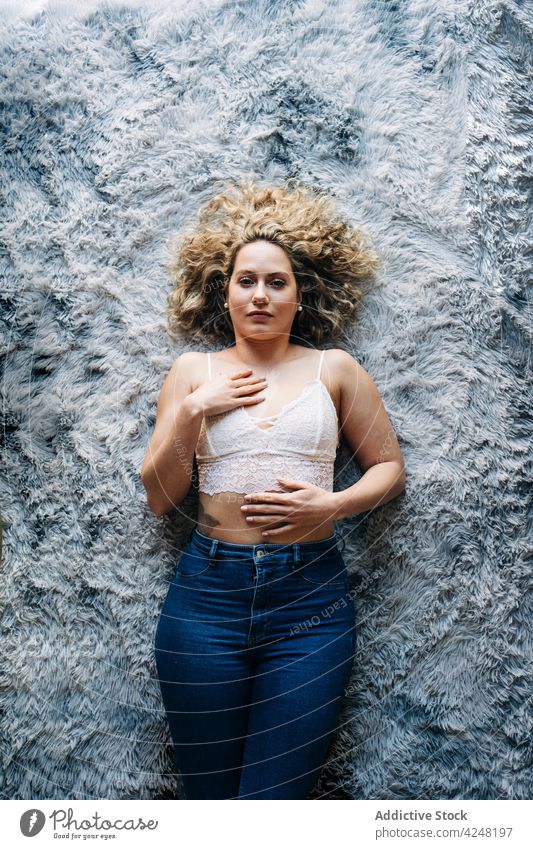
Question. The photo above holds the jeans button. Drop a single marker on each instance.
(260, 552)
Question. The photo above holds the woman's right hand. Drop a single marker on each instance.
(227, 392)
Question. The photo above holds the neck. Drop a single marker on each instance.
(262, 353)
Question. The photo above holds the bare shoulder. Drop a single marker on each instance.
(341, 359)
(190, 367)
(342, 368)
(190, 359)
(358, 391)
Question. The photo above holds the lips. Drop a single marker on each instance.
(258, 312)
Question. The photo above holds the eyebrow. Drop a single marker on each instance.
(270, 273)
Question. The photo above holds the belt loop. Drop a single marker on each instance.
(213, 551)
(296, 554)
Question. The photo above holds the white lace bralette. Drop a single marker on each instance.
(234, 454)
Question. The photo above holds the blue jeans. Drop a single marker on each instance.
(254, 648)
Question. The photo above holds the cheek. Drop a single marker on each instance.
(239, 302)
(237, 296)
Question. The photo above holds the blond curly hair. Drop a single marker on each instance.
(329, 259)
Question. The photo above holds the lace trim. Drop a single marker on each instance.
(269, 455)
(233, 475)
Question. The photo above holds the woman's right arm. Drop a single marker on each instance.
(167, 468)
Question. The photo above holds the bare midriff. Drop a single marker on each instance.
(220, 516)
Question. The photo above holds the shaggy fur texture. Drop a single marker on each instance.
(117, 122)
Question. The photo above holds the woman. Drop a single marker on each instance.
(255, 642)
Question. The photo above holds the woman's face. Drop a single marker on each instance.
(263, 280)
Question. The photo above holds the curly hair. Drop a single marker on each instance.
(329, 259)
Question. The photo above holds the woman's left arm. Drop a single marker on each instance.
(369, 433)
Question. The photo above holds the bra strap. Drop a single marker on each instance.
(320, 364)
(209, 363)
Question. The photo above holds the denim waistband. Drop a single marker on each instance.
(212, 546)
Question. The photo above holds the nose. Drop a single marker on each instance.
(260, 293)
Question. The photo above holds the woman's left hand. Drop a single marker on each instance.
(305, 505)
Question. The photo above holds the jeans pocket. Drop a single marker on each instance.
(328, 570)
(192, 563)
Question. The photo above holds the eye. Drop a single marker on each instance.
(277, 281)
